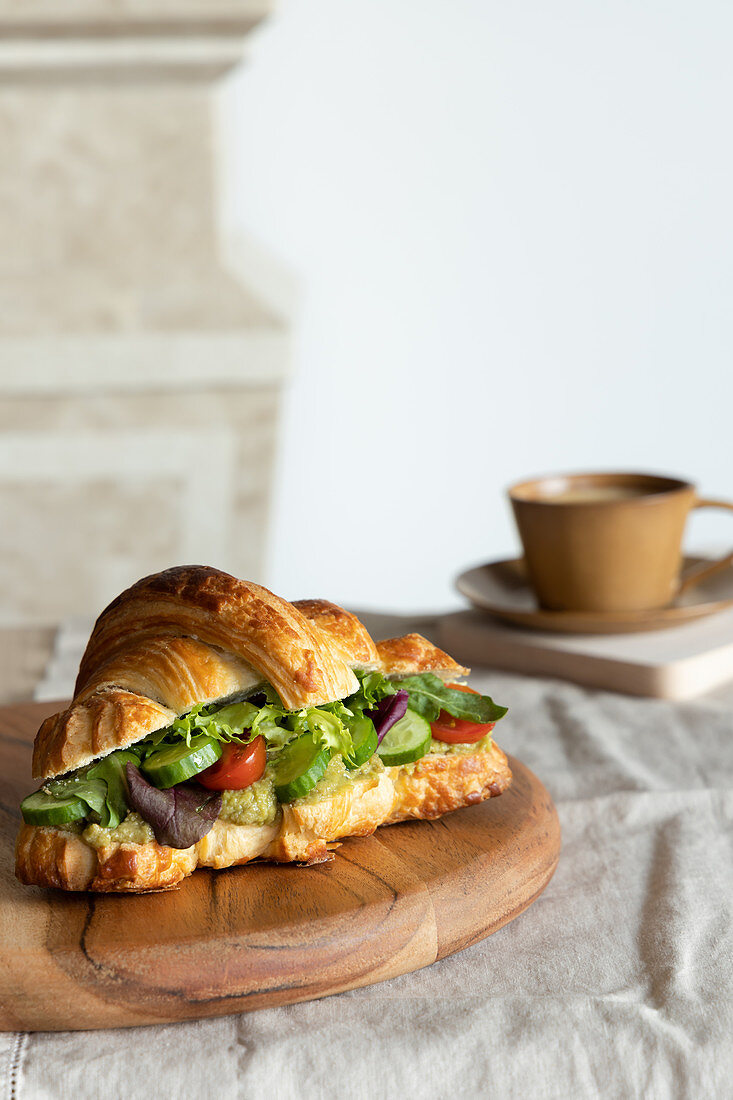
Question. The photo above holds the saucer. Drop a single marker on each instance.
(502, 588)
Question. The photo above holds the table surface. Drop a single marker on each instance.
(617, 982)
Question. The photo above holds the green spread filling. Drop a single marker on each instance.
(462, 748)
(132, 830)
(337, 776)
(255, 805)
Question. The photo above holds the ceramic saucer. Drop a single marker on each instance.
(502, 588)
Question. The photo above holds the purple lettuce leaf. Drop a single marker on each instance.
(387, 712)
(179, 816)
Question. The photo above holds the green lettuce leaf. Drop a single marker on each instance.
(111, 769)
(330, 728)
(91, 791)
(230, 723)
(242, 722)
(276, 725)
(102, 786)
(429, 695)
(373, 687)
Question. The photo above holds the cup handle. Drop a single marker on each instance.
(696, 574)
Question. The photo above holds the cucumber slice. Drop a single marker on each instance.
(408, 740)
(299, 767)
(42, 808)
(176, 763)
(364, 740)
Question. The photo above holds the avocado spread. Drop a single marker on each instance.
(461, 748)
(337, 776)
(255, 805)
(132, 830)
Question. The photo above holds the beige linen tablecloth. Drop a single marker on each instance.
(617, 982)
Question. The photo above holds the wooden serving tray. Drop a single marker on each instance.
(263, 934)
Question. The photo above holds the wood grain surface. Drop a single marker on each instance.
(263, 934)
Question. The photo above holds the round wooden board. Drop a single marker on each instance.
(264, 934)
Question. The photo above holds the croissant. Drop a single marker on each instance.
(192, 640)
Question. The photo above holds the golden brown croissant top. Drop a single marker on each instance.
(196, 635)
(242, 618)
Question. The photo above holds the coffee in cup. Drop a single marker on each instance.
(607, 541)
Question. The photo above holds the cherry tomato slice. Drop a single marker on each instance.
(458, 731)
(238, 767)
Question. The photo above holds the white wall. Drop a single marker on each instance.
(513, 225)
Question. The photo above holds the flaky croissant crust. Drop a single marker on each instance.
(197, 635)
(242, 618)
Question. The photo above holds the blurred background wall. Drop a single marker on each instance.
(502, 233)
(139, 375)
(512, 222)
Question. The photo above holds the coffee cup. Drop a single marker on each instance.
(608, 541)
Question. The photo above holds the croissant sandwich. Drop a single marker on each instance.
(214, 723)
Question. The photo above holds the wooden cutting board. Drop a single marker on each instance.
(261, 935)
